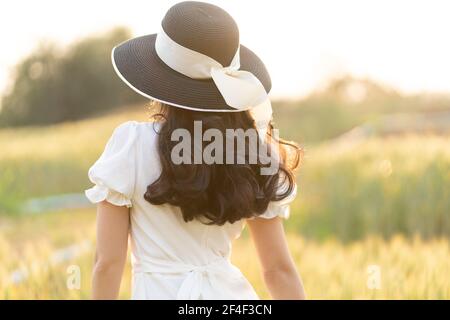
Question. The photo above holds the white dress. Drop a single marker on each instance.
(171, 259)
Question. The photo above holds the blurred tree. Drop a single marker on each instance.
(53, 85)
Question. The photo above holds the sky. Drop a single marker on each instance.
(303, 43)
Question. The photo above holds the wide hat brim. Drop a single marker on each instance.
(138, 65)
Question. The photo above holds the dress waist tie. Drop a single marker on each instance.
(192, 286)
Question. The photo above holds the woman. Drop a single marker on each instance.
(179, 200)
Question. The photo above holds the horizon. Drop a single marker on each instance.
(382, 41)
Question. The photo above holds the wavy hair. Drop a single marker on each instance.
(220, 193)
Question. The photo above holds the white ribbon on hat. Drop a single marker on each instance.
(240, 89)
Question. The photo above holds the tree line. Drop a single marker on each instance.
(55, 84)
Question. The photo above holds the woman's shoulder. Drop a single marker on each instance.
(132, 126)
(135, 131)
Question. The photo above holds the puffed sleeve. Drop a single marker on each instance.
(114, 172)
(280, 208)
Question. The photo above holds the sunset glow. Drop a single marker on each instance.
(303, 43)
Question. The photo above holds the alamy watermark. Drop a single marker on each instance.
(73, 281)
(373, 277)
(236, 146)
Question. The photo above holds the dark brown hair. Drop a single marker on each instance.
(220, 193)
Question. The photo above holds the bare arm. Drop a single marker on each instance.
(112, 241)
(280, 274)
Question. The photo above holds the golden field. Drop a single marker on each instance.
(409, 269)
(380, 201)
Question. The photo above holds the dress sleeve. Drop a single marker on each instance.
(280, 208)
(114, 172)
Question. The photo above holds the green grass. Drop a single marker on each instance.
(41, 161)
(382, 186)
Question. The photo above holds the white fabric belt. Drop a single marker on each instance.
(192, 286)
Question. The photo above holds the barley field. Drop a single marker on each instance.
(372, 220)
(408, 268)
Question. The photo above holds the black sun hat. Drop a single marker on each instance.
(194, 62)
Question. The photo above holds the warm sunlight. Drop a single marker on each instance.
(144, 155)
(303, 43)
